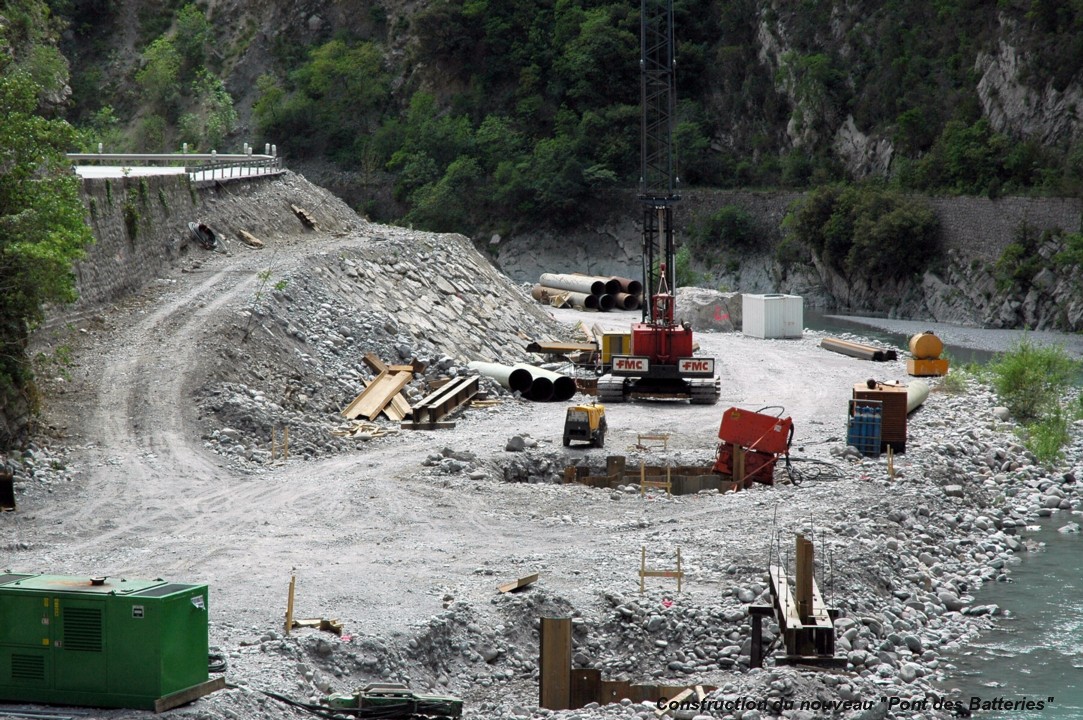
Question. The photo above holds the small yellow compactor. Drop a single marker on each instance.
(585, 423)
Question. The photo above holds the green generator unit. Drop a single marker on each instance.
(102, 642)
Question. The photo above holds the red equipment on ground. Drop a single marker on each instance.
(751, 445)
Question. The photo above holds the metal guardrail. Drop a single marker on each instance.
(199, 166)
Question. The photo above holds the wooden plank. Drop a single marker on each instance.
(289, 605)
(398, 408)
(386, 387)
(183, 697)
(375, 363)
(516, 584)
(804, 578)
(555, 663)
(585, 684)
(353, 409)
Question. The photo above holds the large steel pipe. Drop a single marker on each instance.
(916, 393)
(865, 352)
(523, 381)
(626, 301)
(628, 285)
(582, 301)
(561, 387)
(607, 302)
(496, 371)
(575, 283)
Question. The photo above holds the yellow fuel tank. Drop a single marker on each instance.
(926, 346)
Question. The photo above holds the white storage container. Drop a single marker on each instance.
(772, 316)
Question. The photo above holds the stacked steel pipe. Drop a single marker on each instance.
(588, 292)
(533, 383)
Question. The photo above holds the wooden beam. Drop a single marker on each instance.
(804, 578)
(289, 604)
(375, 363)
(183, 697)
(377, 395)
(516, 584)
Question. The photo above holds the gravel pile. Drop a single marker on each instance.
(295, 353)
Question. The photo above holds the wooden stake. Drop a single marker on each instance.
(804, 578)
(286, 443)
(289, 605)
(890, 462)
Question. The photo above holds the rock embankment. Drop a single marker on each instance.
(298, 342)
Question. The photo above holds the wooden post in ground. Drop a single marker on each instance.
(289, 604)
(555, 663)
(804, 578)
(286, 443)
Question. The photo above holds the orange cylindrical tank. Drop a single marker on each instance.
(926, 346)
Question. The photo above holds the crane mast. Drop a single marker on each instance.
(661, 362)
(658, 174)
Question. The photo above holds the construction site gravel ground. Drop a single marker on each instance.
(404, 537)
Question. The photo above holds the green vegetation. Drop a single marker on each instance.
(535, 127)
(181, 96)
(1030, 379)
(42, 229)
(1033, 381)
(866, 231)
(729, 230)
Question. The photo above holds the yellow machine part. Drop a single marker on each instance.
(615, 343)
(927, 368)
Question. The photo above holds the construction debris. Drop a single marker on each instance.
(362, 430)
(325, 624)
(249, 239)
(394, 701)
(306, 219)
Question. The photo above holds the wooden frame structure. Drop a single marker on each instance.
(645, 573)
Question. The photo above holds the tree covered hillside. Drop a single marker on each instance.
(482, 110)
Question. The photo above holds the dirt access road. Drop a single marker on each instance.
(375, 538)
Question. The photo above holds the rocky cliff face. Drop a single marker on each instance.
(964, 286)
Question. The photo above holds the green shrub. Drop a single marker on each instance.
(1020, 261)
(1031, 379)
(1046, 437)
(866, 231)
(683, 274)
(730, 228)
(160, 75)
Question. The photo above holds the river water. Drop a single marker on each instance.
(1036, 651)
